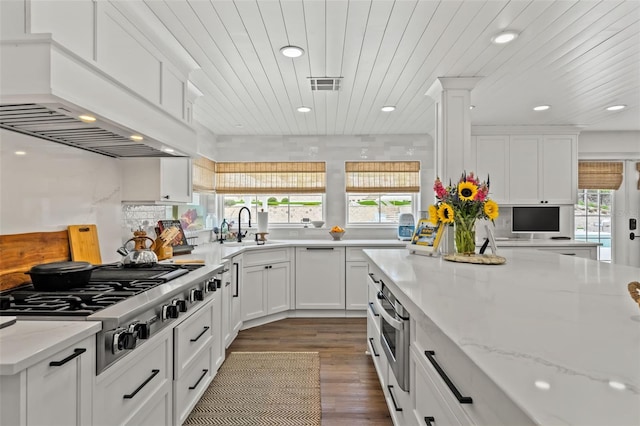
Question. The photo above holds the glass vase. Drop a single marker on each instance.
(465, 236)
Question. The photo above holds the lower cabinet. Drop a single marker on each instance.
(266, 290)
(137, 389)
(356, 285)
(55, 391)
(231, 306)
(584, 252)
(188, 388)
(320, 278)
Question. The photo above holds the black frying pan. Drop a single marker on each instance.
(60, 275)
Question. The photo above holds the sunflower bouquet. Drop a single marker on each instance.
(462, 204)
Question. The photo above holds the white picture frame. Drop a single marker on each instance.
(490, 237)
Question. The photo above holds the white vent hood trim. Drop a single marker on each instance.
(36, 69)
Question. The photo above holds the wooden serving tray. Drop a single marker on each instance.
(480, 259)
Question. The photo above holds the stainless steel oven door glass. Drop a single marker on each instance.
(394, 335)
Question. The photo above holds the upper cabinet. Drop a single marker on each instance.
(529, 169)
(156, 180)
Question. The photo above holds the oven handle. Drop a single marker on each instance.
(397, 324)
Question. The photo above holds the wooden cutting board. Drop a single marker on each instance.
(83, 242)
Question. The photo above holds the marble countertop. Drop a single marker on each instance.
(26, 343)
(563, 320)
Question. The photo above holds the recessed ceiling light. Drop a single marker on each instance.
(304, 109)
(20, 153)
(168, 149)
(541, 108)
(137, 138)
(504, 37)
(87, 118)
(616, 107)
(388, 108)
(472, 106)
(292, 51)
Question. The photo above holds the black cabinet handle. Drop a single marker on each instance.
(429, 421)
(375, 314)
(461, 399)
(373, 348)
(319, 248)
(204, 373)
(200, 335)
(154, 373)
(237, 268)
(569, 254)
(373, 278)
(76, 353)
(393, 399)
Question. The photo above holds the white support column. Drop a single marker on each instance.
(453, 125)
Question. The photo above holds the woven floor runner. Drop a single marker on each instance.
(262, 388)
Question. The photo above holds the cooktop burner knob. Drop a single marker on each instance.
(195, 294)
(143, 330)
(181, 304)
(128, 340)
(211, 285)
(169, 311)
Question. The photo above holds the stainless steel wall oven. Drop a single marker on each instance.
(394, 335)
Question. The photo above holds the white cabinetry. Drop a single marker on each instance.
(529, 169)
(137, 390)
(266, 283)
(357, 268)
(320, 278)
(585, 252)
(55, 391)
(156, 180)
(231, 306)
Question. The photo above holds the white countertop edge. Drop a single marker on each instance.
(26, 343)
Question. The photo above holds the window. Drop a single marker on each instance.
(378, 191)
(282, 208)
(593, 219)
(378, 208)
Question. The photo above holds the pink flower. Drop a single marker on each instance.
(440, 190)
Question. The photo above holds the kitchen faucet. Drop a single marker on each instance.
(240, 223)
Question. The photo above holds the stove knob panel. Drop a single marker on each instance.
(195, 295)
(128, 340)
(211, 284)
(169, 311)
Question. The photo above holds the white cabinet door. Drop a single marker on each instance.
(356, 285)
(524, 162)
(558, 173)
(278, 288)
(235, 311)
(156, 180)
(253, 292)
(59, 389)
(320, 278)
(492, 160)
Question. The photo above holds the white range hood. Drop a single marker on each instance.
(44, 87)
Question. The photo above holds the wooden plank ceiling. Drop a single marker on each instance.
(577, 56)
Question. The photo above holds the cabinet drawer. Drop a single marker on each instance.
(125, 388)
(586, 253)
(429, 406)
(264, 256)
(195, 380)
(377, 354)
(190, 336)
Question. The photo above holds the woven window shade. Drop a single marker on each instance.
(382, 176)
(271, 178)
(203, 175)
(599, 175)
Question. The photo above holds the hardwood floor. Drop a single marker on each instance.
(350, 391)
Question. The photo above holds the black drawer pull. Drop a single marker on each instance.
(393, 399)
(319, 248)
(154, 373)
(375, 314)
(461, 399)
(200, 335)
(237, 268)
(569, 254)
(76, 353)
(204, 373)
(373, 348)
(373, 278)
(429, 421)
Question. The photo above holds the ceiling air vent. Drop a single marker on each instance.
(325, 83)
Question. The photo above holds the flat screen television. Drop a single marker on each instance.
(535, 219)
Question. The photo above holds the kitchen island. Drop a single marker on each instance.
(556, 337)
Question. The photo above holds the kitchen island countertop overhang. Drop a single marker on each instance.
(541, 317)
